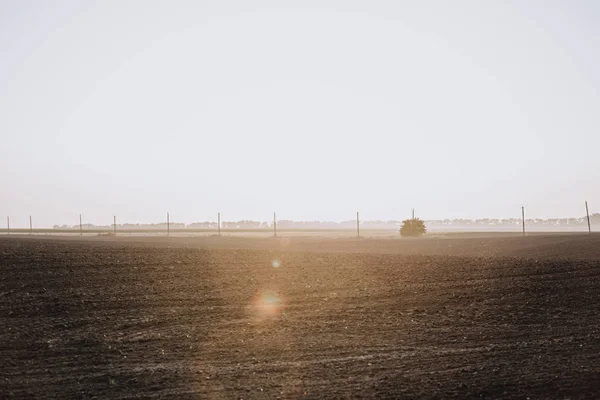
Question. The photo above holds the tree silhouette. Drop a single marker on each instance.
(413, 227)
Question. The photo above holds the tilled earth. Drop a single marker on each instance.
(82, 319)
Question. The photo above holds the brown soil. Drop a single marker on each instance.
(216, 318)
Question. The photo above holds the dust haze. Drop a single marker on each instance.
(321, 200)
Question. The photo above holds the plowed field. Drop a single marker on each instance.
(300, 318)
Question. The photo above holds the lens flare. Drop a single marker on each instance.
(268, 304)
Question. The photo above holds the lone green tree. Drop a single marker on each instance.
(413, 227)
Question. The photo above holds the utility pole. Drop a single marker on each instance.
(274, 225)
(413, 214)
(523, 216)
(168, 225)
(588, 217)
(80, 226)
(8, 225)
(30, 226)
(219, 223)
(357, 225)
(115, 224)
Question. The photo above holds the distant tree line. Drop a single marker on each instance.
(594, 218)
(489, 223)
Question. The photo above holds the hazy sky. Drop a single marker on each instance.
(314, 109)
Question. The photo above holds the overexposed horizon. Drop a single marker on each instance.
(314, 110)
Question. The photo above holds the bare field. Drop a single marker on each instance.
(230, 317)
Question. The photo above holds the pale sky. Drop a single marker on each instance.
(313, 109)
